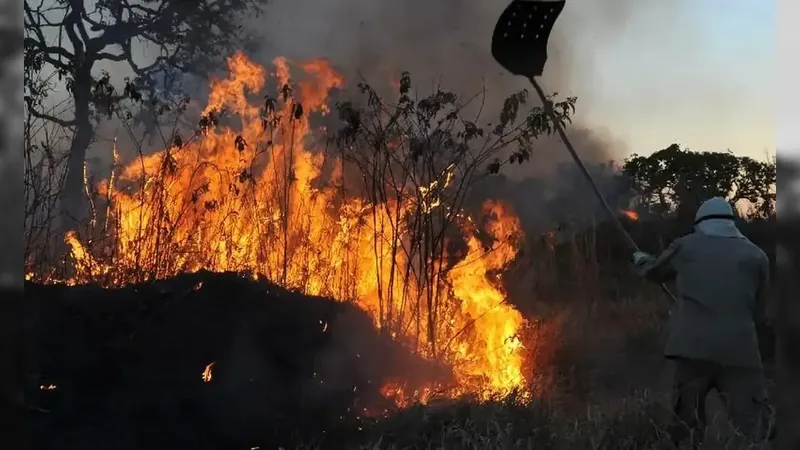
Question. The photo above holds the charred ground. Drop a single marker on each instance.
(123, 368)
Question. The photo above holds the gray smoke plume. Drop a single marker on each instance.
(447, 43)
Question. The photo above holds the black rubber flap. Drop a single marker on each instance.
(519, 42)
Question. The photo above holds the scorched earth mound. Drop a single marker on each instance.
(201, 361)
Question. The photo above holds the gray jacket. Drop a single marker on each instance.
(721, 287)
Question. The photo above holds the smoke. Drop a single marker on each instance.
(447, 43)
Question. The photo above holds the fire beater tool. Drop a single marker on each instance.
(519, 44)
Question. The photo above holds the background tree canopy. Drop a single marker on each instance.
(676, 181)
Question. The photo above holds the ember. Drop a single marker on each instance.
(255, 201)
(632, 215)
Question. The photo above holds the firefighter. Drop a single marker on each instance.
(721, 280)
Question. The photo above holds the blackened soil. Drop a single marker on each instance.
(123, 368)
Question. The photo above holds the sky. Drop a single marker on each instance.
(702, 75)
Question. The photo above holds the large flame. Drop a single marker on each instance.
(256, 200)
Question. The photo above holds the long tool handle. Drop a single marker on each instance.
(586, 173)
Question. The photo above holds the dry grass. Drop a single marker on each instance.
(635, 422)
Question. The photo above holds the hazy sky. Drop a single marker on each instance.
(703, 76)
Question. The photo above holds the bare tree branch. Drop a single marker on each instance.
(40, 115)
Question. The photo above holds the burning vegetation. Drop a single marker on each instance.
(369, 213)
(631, 215)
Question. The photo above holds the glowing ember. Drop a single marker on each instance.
(258, 200)
(48, 387)
(632, 215)
(207, 374)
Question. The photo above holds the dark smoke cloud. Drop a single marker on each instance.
(447, 43)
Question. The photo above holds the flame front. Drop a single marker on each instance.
(255, 200)
(496, 323)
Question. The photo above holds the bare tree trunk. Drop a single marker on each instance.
(73, 211)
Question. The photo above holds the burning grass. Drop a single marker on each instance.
(367, 212)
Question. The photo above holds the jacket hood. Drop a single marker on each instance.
(714, 208)
(715, 218)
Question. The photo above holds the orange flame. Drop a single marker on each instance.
(632, 215)
(207, 373)
(255, 201)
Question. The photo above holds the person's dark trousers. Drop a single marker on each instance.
(742, 390)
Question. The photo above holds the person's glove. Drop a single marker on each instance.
(640, 258)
